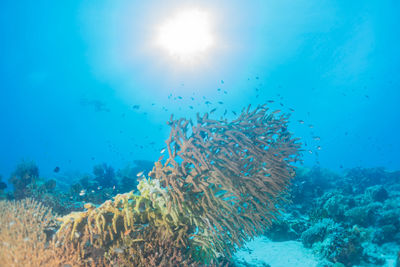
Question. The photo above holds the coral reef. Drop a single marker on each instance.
(24, 179)
(3, 186)
(350, 219)
(221, 185)
(104, 175)
(25, 229)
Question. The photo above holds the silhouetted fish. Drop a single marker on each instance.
(135, 106)
(56, 169)
(213, 110)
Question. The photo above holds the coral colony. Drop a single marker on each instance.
(221, 184)
(217, 185)
(218, 188)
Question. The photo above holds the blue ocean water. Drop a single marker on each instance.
(335, 63)
(83, 84)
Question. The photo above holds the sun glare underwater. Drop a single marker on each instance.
(200, 133)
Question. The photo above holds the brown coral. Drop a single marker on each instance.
(231, 174)
(23, 239)
(221, 185)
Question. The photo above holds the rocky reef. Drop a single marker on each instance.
(351, 219)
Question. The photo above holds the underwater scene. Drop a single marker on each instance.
(200, 133)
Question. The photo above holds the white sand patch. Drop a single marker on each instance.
(263, 252)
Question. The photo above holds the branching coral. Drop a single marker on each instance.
(23, 238)
(221, 185)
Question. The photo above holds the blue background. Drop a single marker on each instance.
(71, 72)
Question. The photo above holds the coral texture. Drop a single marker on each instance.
(25, 226)
(221, 185)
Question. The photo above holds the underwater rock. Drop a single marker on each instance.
(364, 215)
(341, 245)
(317, 232)
(285, 230)
(335, 205)
(376, 193)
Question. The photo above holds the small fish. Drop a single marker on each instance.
(83, 192)
(207, 102)
(225, 92)
(56, 169)
(316, 138)
(220, 102)
(191, 107)
(276, 111)
(192, 98)
(135, 106)
(118, 250)
(139, 174)
(301, 121)
(311, 126)
(179, 97)
(92, 191)
(309, 151)
(292, 110)
(234, 113)
(99, 187)
(226, 111)
(319, 147)
(114, 187)
(213, 110)
(162, 151)
(270, 101)
(219, 89)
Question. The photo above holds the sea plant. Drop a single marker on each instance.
(222, 184)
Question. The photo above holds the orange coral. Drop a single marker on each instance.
(232, 174)
(23, 239)
(221, 185)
